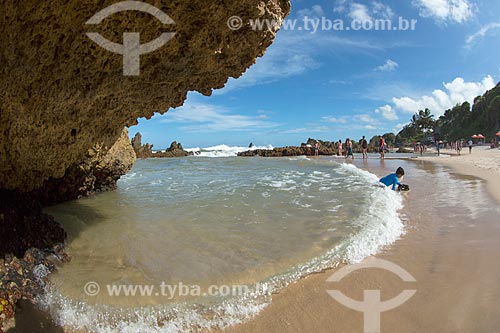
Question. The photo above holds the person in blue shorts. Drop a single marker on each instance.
(394, 179)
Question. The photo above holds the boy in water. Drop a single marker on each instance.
(394, 179)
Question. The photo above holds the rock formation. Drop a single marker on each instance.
(326, 148)
(99, 171)
(141, 150)
(146, 150)
(61, 94)
(288, 151)
(24, 225)
(175, 150)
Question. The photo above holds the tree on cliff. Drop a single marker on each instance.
(460, 122)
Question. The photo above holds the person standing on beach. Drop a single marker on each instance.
(364, 146)
(470, 146)
(382, 147)
(341, 152)
(316, 149)
(348, 144)
(459, 147)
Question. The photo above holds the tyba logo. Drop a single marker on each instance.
(131, 49)
(372, 306)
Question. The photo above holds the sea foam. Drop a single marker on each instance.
(224, 150)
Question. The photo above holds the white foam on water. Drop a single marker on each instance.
(177, 318)
(382, 222)
(224, 150)
(298, 158)
(379, 225)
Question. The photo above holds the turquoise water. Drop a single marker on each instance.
(261, 223)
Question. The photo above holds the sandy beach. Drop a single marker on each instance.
(451, 254)
(483, 163)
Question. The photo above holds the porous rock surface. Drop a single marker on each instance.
(99, 171)
(61, 94)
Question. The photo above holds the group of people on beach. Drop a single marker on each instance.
(457, 146)
(346, 149)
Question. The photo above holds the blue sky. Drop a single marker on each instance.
(331, 85)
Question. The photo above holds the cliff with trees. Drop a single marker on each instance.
(460, 122)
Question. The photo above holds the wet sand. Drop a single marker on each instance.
(483, 163)
(450, 247)
(452, 252)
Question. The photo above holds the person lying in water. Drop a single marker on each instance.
(394, 180)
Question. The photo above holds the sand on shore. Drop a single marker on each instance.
(483, 163)
(454, 260)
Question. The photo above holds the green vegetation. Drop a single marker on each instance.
(460, 122)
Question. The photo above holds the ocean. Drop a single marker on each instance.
(182, 228)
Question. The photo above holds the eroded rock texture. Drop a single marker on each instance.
(61, 94)
(99, 171)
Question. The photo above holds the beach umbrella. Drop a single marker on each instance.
(480, 136)
(475, 136)
(498, 134)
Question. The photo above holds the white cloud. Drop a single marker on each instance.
(366, 118)
(456, 92)
(458, 11)
(359, 13)
(370, 127)
(363, 12)
(300, 130)
(211, 118)
(382, 11)
(313, 12)
(387, 112)
(481, 33)
(335, 120)
(389, 66)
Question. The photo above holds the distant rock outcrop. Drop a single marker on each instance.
(322, 144)
(141, 151)
(325, 148)
(288, 151)
(146, 150)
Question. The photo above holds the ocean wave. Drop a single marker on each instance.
(224, 150)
